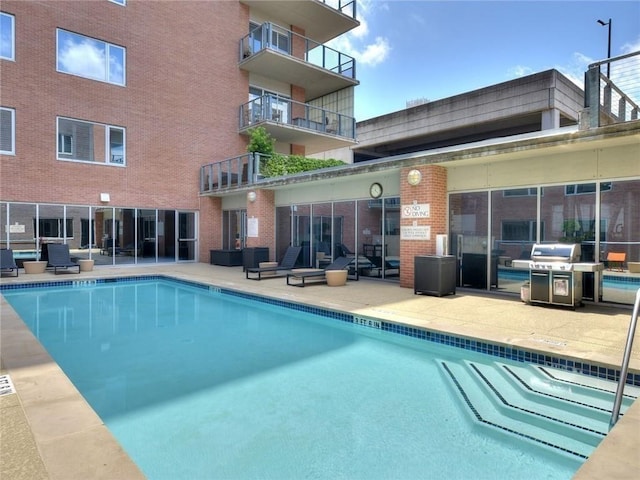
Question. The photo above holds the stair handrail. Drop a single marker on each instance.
(624, 368)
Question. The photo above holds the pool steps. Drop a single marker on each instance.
(554, 409)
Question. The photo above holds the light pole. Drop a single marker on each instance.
(608, 45)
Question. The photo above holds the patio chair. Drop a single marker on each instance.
(284, 267)
(317, 275)
(615, 261)
(59, 258)
(7, 262)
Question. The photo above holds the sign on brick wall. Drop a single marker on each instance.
(416, 210)
(415, 232)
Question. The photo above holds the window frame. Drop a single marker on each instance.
(106, 146)
(62, 143)
(107, 66)
(12, 58)
(13, 132)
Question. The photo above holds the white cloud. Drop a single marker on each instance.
(356, 44)
(375, 53)
(520, 71)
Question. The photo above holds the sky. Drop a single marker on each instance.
(429, 50)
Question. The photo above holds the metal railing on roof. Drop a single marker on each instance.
(302, 115)
(274, 37)
(614, 98)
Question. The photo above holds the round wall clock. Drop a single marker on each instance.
(375, 190)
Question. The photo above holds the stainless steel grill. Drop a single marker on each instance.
(553, 279)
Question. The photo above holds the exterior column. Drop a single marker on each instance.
(210, 221)
(261, 213)
(431, 193)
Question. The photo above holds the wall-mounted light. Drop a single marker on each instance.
(414, 177)
(105, 197)
(251, 196)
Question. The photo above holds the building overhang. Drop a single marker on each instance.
(314, 141)
(562, 141)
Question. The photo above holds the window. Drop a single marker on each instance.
(7, 37)
(90, 58)
(7, 131)
(120, 2)
(585, 188)
(519, 230)
(90, 142)
(521, 192)
(64, 144)
(280, 39)
(53, 228)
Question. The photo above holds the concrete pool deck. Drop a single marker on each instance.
(48, 431)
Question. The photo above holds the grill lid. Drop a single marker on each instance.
(556, 252)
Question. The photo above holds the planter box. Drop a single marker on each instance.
(34, 266)
(336, 278)
(86, 265)
(634, 267)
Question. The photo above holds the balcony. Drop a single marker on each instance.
(280, 54)
(320, 19)
(230, 173)
(288, 121)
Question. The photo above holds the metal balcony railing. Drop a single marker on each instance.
(231, 173)
(613, 98)
(302, 115)
(346, 7)
(271, 36)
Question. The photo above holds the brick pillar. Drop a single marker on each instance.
(263, 209)
(298, 95)
(210, 226)
(432, 190)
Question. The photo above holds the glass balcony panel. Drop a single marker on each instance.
(274, 37)
(283, 110)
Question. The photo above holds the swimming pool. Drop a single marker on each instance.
(198, 383)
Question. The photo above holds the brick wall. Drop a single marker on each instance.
(432, 190)
(263, 209)
(179, 105)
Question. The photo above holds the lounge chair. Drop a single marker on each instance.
(7, 262)
(317, 275)
(59, 258)
(286, 264)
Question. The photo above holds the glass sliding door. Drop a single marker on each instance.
(127, 247)
(514, 227)
(19, 229)
(469, 230)
(301, 235)
(391, 239)
(322, 227)
(147, 227)
(187, 236)
(79, 232)
(234, 229)
(620, 240)
(167, 240)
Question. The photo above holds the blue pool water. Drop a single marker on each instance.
(197, 384)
